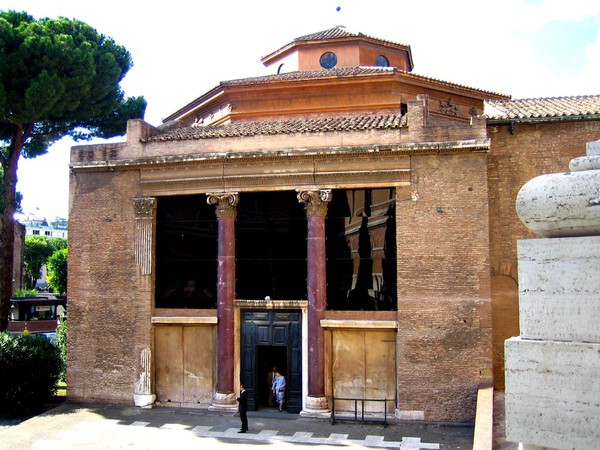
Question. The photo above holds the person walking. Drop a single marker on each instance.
(243, 401)
(279, 389)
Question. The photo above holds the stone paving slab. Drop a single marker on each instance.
(76, 426)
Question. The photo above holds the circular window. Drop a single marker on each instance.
(328, 60)
(382, 61)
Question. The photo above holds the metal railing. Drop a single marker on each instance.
(362, 418)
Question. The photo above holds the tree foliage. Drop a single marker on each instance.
(36, 251)
(57, 271)
(58, 77)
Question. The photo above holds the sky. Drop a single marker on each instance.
(183, 48)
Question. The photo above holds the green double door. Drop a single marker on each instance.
(271, 338)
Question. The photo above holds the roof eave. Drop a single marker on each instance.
(209, 96)
(548, 119)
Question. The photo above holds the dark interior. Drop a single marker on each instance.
(271, 250)
(270, 247)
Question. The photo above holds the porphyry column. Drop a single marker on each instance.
(226, 211)
(315, 204)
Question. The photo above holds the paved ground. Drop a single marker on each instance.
(77, 426)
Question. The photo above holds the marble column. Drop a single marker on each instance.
(226, 210)
(315, 204)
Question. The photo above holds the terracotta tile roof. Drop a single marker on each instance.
(336, 72)
(539, 108)
(341, 32)
(353, 71)
(334, 33)
(283, 127)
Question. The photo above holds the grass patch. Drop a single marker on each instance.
(61, 389)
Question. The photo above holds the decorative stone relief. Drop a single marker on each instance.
(144, 219)
(448, 107)
(225, 204)
(315, 202)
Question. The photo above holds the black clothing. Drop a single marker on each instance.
(243, 401)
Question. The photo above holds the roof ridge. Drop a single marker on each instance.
(337, 32)
(341, 32)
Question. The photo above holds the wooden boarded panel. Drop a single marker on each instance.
(380, 366)
(168, 349)
(198, 365)
(348, 367)
(363, 366)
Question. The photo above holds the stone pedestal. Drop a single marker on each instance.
(224, 403)
(144, 400)
(552, 398)
(142, 395)
(553, 393)
(316, 407)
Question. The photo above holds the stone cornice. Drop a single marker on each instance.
(161, 161)
(271, 304)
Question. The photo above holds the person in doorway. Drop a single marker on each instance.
(279, 389)
(243, 401)
(270, 379)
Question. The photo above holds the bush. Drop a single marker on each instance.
(29, 369)
(20, 293)
(61, 343)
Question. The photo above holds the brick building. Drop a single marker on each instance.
(342, 218)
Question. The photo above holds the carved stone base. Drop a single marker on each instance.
(224, 403)
(144, 400)
(317, 407)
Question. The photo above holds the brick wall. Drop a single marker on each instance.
(444, 333)
(109, 302)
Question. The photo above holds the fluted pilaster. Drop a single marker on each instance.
(145, 208)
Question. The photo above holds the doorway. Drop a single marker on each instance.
(267, 357)
(271, 337)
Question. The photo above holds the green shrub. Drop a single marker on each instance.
(29, 369)
(20, 293)
(61, 343)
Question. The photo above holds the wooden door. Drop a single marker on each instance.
(272, 328)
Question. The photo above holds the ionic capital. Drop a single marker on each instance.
(315, 201)
(226, 204)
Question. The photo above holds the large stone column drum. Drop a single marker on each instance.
(315, 203)
(226, 211)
